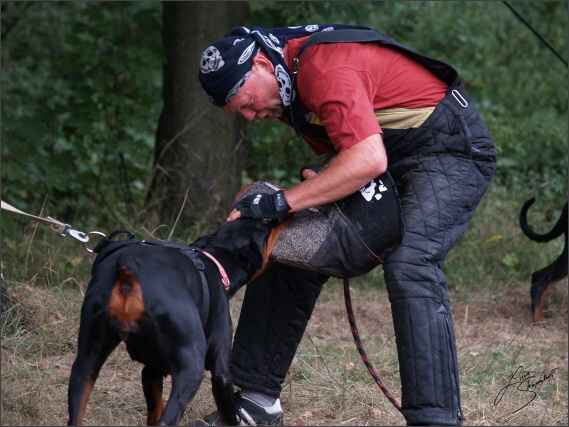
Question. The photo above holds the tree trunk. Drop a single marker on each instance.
(199, 150)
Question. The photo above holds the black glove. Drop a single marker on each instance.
(264, 206)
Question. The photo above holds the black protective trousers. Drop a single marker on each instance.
(441, 169)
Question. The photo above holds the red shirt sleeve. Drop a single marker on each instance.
(343, 100)
(344, 83)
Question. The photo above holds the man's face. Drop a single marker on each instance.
(259, 97)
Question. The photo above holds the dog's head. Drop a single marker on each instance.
(243, 246)
(242, 237)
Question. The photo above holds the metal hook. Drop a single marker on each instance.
(79, 235)
(98, 233)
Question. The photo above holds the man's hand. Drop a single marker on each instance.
(264, 206)
(309, 171)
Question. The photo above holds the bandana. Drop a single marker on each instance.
(227, 63)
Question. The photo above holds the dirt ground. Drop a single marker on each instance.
(328, 383)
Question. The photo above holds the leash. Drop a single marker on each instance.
(66, 229)
(62, 228)
(360, 346)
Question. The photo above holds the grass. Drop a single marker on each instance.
(328, 383)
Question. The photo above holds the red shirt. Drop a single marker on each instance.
(343, 83)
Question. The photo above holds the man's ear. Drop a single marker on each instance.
(263, 63)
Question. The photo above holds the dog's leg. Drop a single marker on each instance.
(222, 380)
(152, 384)
(539, 285)
(538, 316)
(543, 280)
(185, 385)
(222, 388)
(94, 347)
(186, 361)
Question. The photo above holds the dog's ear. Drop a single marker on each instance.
(251, 257)
(204, 241)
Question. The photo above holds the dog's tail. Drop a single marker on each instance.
(126, 305)
(559, 228)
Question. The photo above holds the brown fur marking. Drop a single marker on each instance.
(271, 242)
(86, 393)
(154, 416)
(538, 316)
(126, 302)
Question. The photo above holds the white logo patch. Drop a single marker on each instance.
(373, 190)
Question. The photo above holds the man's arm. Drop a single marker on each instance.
(348, 171)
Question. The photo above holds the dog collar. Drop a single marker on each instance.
(224, 277)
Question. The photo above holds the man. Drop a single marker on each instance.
(369, 105)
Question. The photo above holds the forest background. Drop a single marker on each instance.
(105, 127)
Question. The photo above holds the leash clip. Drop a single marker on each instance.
(79, 235)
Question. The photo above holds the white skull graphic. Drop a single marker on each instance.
(272, 42)
(285, 87)
(211, 60)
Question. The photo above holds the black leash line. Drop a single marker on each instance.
(535, 32)
(360, 346)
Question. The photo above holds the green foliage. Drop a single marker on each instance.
(494, 250)
(282, 14)
(275, 154)
(81, 98)
(80, 102)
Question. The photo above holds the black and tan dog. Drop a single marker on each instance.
(169, 305)
(543, 280)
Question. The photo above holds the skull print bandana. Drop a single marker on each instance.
(227, 63)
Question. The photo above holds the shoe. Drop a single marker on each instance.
(248, 414)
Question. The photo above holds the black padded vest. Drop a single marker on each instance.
(440, 68)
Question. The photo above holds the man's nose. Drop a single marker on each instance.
(248, 115)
